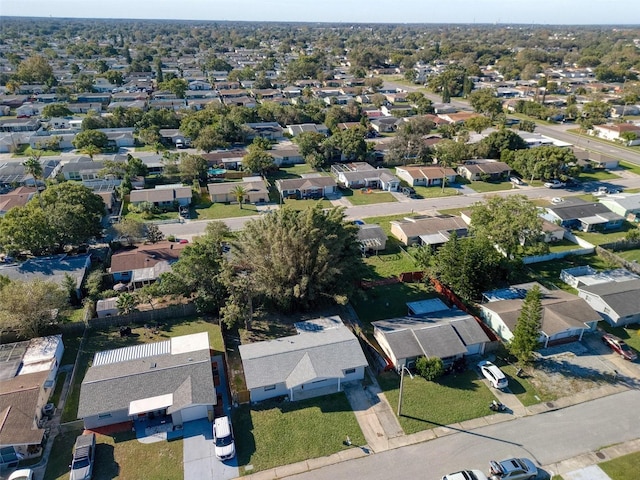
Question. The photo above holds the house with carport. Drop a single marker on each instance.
(424, 230)
(310, 186)
(426, 176)
(432, 330)
(364, 175)
(582, 215)
(171, 380)
(626, 205)
(318, 360)
(254, 187)
(565, 317)
(490, 170)
(163, 196)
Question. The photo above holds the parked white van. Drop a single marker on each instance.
(225, 447)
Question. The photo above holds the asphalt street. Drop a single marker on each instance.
(545, 438)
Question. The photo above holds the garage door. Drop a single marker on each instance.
(194, 413)
(474, 349)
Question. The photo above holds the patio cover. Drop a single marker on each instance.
(150, 404)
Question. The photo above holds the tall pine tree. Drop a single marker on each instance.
(527, 332)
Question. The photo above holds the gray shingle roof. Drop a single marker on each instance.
(301, 358)
(113, 387)
(622, 297)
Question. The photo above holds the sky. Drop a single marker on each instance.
(564, 12)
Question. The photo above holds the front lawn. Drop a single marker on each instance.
(436, 191)
(485, 187)
(217, 211)
(388, 301)
(450, 399)
(366, 196)
(632, 167)
(523, 388)
(622, 468)
(597, 176)
(280, 433)
(120, 456)
(304, 204)
(99, 340)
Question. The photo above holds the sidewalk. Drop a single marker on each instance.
(382, 432)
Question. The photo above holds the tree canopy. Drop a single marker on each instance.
(300, 259)
(526, 334)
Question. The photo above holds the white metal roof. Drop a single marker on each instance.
(132, 353)
(190, 343)
(150, 404)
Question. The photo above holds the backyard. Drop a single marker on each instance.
(280, 433)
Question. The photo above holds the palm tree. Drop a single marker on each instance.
(91, 150)
(34, 168)
(239, 192)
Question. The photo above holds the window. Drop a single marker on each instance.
(349, 371)
(269, 387)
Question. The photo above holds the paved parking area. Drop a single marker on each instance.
(200, 462)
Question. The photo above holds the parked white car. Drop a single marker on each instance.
(466, 475)
(224, 445)
(555, 184)
(24, 474)
(513, 469)
(492, 373)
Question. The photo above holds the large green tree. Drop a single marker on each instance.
(86, 138)
(300, 259)
(511, 222)
(526, 334)
(29, 307)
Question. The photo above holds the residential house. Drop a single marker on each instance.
(295, 130)
(144, 264)
(552, 231)
(363, 175)
(565, 317)
(83, 168)
(372, 237)
(171, 380)
(432, 231)
(15, 125)
(585, 216)
(614, 132)
(426, 176)
(255, 191)
(227, 159)
(385, 124)
(163, 196)
(175, 136)
(596, 159)
(626, 205)
(28, 374)
(438, 332)
(617, 302)
(489, 170)
(14, 172)
(319, 359)
(15, 198)
(269, 130)
(311, 186)
(285, 154)
(56, 269)
(119, 137)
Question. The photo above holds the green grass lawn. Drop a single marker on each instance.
(304, 204)
(622, 468)
(358, 197)
(425, 405)
(281, 433)
(597, 175)
(389, 263)
(631, 167)
(598, 238)
(485, 187)
(217, 211)
(436, 191)
(562, 246)
(632, 255)
(388, 301)
(120, 456)
(99, 340)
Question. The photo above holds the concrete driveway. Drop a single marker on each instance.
(200, 462)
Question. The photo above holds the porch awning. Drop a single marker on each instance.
(150, 404)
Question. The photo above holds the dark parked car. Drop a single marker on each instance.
(619, 346)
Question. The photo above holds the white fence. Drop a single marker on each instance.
(586, 249)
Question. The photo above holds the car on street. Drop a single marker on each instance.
(466, 475)
(555, 184)
(84, 453)
(557, 200)
(619, 346)
(22, 474)
(496, 377)
(224, 446)
(513, 469)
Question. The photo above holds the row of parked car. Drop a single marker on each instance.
(508, 469)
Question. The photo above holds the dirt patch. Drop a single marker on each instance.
(569, 369)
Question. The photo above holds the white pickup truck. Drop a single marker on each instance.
(555, 184)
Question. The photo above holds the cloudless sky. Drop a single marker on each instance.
(569, 12)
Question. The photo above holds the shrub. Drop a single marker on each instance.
(429, 368)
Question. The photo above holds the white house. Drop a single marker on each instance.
(320, 359)
(426, 176)
(617, 302)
